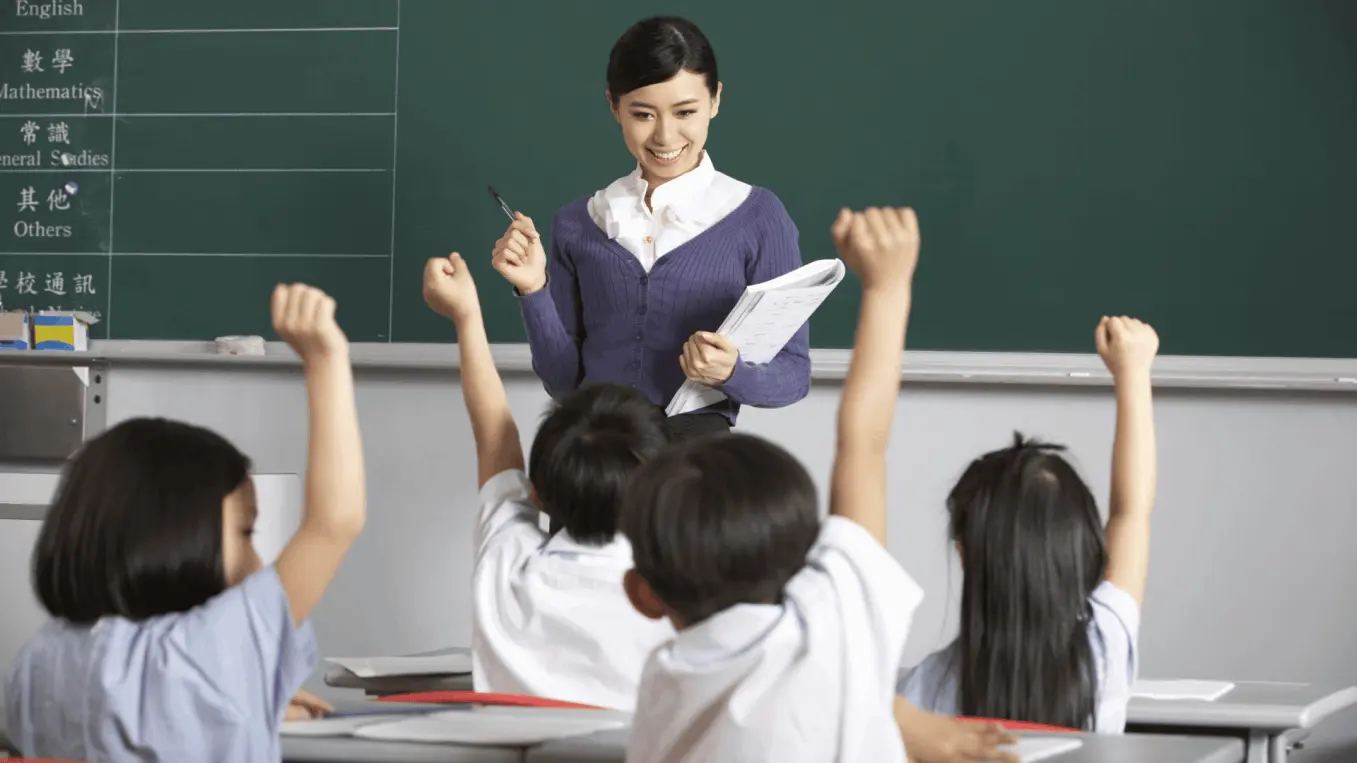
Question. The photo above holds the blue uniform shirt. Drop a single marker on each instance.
(206, 685)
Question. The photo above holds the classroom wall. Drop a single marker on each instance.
(1252, 566)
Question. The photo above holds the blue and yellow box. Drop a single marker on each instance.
(14, 330)
(62, 330)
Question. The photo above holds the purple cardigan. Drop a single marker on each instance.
(603, 318)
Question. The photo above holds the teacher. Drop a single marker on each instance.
(643, 272)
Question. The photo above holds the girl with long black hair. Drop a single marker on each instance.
(1050, 605)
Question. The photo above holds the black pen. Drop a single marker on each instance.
(502, 205)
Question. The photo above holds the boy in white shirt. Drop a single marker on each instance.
(550, 615)
(789, 632)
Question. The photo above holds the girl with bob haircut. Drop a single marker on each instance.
(169, 640)
(1050, 603)
(642, 273)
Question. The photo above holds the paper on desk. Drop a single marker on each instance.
(492, 728)
(1033, 748)
(1209, 691)
(763, 321)
(429, 665)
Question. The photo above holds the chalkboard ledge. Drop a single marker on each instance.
(933, 367)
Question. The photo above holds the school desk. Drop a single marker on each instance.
(351, 750)
(1270, 716)
(610, 747)
(381, 686)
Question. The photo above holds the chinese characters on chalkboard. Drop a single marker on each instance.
(53, 122)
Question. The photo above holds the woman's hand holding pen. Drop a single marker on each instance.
(519, 256)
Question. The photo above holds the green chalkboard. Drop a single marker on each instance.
(1193, 163)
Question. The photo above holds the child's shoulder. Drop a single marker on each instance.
(931, 685)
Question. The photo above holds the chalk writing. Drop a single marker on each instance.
(62, 59)
(4, 280)
(84, 284)
(58, 132)
(44, 11)
(26, 229)
(30, 132)
(92, 96)
(58, 200)
(56, 284)
(28, 199)
(32, 62)
(27, 282)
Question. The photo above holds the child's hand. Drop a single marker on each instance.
(519, 257)
(880, 245)
(304, 317)
(934, 738)
(307, 706)
(449, 288)
(1126, 345)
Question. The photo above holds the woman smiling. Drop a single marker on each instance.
(642, 273)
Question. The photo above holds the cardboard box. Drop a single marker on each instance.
(14, 330)
(62, 330)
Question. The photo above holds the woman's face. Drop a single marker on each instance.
(665, 125)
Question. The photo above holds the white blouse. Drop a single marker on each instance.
(682, 208)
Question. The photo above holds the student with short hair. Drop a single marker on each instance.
(1050, 603)
(168, 641)
(550, 617)
(790, 631)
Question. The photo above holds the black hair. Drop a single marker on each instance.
(135, 529)
(1033, 550)
(655, 50)
(718, 521)
(586, 450)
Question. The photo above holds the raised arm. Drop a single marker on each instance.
(786, 378)
(549, 297)
(336, 492)
(1128, 346)
(450, 291)
(882, 247)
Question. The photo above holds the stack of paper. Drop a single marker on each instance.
(519, 727)
(337, 725)
(497, 728)
(1033, 749)
(763, 321)
(1208, 691)
(456, 663)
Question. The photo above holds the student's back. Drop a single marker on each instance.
(1050, 606)
(169, 639)
(790, 631)
(550, 617)
(210, 684)
(1110, 635)
(794, 636)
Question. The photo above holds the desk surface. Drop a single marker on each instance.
(351, 750)
(1262, 706)
(610, 747)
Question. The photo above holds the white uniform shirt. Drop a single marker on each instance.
(683, 208)
(811, 679)
(550, 616)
